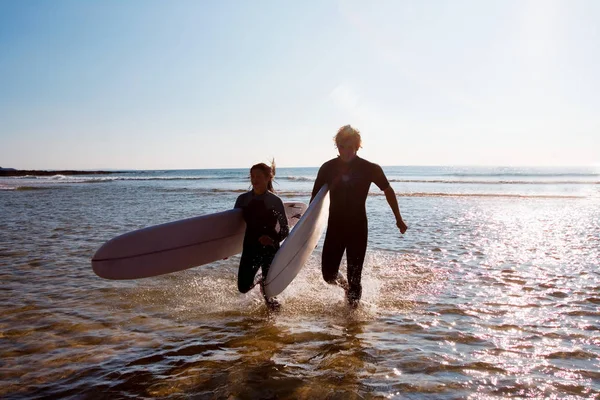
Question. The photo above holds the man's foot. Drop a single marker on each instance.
(342, 282)
(273, 304)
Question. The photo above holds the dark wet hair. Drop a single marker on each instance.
(269, 172)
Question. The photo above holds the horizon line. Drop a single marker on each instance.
(597, 165)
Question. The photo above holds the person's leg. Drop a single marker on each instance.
(333, 250)
(266, 258)
(265, 263)
(355, 256)
(249, 266)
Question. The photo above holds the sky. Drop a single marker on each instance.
(224, 84)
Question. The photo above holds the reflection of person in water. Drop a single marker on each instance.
(266, 227)
(349, 178)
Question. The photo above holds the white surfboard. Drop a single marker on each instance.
(299, 245)
(178, 245)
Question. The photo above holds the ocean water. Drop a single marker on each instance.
(493, 292)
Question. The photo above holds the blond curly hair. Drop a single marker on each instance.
(348, 134)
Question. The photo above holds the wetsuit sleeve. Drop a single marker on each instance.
(241, 201)
(379, 177)
(319, 182)
(284, 228)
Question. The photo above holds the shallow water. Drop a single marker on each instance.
(492, 293)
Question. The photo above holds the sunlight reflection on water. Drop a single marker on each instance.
(484, 297)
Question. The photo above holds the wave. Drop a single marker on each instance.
(201, 178)
(296, 178)
(308, 179)
(507, 195)
(305, 193)
(87, 179)
(495, 182)
(478, 181)
(244, 178)
(157, 178)
(394, 180)
(524, 174)
(224, 190)
(26, 188)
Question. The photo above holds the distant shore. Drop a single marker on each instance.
(19, 172)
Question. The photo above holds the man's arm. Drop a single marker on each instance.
(390, 196)
(319, 182)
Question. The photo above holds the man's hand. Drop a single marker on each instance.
(266, 241)
(390, 196)
(401, 225)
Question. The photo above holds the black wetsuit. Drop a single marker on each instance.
(263, 214)
(347, 227)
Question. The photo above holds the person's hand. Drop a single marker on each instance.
(401, 225)
(266, 241)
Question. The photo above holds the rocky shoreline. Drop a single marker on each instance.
(19, 172)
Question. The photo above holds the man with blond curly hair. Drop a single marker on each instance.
(349, 178)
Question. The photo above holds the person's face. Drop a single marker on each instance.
(347, 150)
(259, 181)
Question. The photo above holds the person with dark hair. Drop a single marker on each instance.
(266, 227)
(349, 178)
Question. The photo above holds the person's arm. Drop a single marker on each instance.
(275, 204)
(390, 196)
(239, 203)
(319, 182)
(284, 228)
(381, 180)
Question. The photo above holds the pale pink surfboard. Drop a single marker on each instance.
(177, 245)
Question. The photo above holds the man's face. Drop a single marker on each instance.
(347, 150)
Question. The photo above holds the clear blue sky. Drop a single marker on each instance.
(201, 84)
